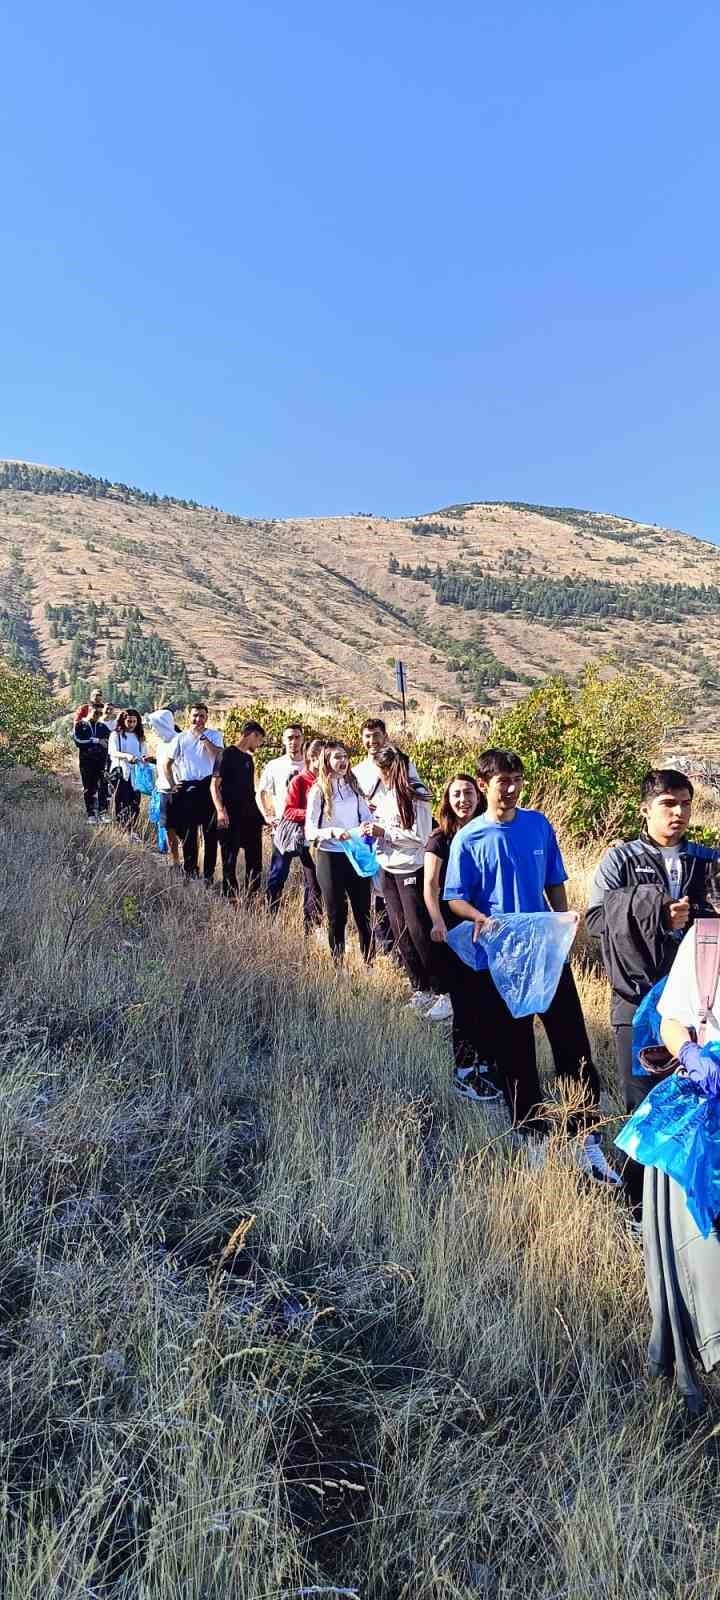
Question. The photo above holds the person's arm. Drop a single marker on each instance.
(295, 800)
(674, 1034)
(610, 875)
(463, 874)
(223, 820)
(114, 750)
(85, 740)
(418, 834)
(314, 833)
(265, 796)
(166, 764)
(432, 870)
(556, 896)
(463, 908)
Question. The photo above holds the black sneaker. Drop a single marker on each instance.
(470, 1083)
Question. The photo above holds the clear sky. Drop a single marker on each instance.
(293, 256)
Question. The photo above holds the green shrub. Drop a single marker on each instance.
(26, 709)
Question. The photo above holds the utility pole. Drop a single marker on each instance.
(401, 685)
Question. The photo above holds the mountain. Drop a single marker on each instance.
(153, 595)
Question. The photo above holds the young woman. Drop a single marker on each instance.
(295, 812)
(334, 806)
(126, 746)
(404, 818)
(461, 802)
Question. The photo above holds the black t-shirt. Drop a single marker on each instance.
(439, 845)
(237, 786)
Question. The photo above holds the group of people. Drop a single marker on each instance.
(483, 856)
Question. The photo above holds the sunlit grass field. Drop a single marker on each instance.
(278, 1315)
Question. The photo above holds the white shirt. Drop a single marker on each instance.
(347, 811)
(680, 998)
(369, 777)
(275, 779)
(672, 863)
(402, 849)
(129, 742)
(191, 760)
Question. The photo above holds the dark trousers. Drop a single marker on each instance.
(126, 802)
(232, 840)
(93, 778)
(280, 864)
(509, 1043)
(462, 994)
(191, 809)
(340, 883)
(633, 1091)
(382, 931)
(410, 923)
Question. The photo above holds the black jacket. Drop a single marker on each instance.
(629, 893)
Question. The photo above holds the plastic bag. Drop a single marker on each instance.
(526, 952)
(142, 777)
(154, 808)
(677, 1128)
(646, 1028)
(163, 843)
(362, 854)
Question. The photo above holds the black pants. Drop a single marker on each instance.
(93, 777)
(191, 809)
(509, 1043)
(634, 1091)
(126, 802)
(232, 840)
(382, 930)
(339, 882)
(423, 961)
(464, 1029)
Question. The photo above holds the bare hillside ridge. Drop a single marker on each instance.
(478, 599)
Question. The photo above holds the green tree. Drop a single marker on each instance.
(26, 709)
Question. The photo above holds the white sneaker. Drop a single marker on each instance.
(420, 1000)
(593, 1162)
(442, 1010)
(92, 821)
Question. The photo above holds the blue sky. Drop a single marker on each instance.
(312, 258)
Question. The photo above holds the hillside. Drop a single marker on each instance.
(151, 594)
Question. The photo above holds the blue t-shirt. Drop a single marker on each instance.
(504, 866)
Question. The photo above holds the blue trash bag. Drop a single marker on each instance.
(362, 854)
(142, 778)
(163, 843)
(677, 1128)
(646, 1028)
(154, 807)
(460, 939)
(526, 952)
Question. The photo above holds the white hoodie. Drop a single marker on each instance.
(162, 724)
(402, 849)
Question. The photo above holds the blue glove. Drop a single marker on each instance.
(700, 1068)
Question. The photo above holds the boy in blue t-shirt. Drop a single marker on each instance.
(508, 860)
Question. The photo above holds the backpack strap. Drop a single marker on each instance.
(707, 968)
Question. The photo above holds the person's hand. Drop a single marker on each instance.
(376, 830)
(700, 1068)
(438, 933)
(341, 833)
(676, 914)
(223, 820)
(479, 924)
(130, 758)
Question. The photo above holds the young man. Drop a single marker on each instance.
(508, 860)
(645, 894)
(239, 821)
(272, 794)
(189, 763)
(91, 734)
(163, 725)
(374, 738)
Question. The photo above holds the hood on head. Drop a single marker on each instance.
(162, 724)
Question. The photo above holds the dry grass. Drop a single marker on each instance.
(276, 1311)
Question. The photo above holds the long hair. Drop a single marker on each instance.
(121, 725)
(447, 819)
(325, 775)
(395, 768)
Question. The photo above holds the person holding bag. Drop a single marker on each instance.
(335, 806)
(126, 746)
(404, 821)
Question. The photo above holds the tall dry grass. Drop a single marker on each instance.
(278, 1314)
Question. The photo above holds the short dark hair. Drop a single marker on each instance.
(294, 727)
(658, 780)
(198, 705)
(252, 727)
(493, 761)
(373, 724)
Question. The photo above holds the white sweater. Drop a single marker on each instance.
(347, 811)
(402, 849)
(124, 743)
